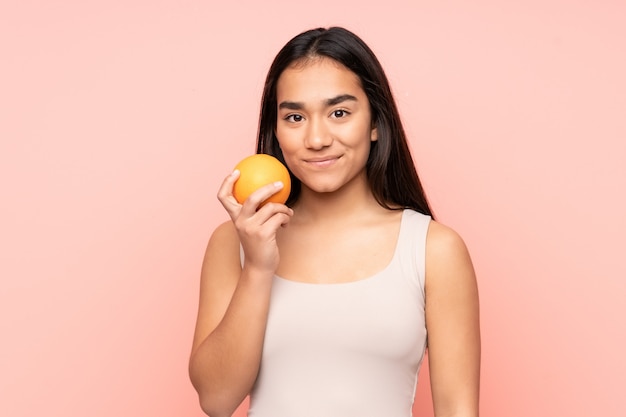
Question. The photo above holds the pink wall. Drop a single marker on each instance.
(119, 120)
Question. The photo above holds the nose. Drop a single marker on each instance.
(318, 135)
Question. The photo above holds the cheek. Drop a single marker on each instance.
(286, 140)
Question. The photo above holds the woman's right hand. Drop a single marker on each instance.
(256, 226)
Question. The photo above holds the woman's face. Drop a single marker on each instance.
(324, 125)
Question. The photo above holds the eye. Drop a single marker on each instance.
(294, 118)
(338, 114)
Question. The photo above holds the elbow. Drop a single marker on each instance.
(213, 408)
(215, 404)
(209, 407)
(211, 404)
(215, 401)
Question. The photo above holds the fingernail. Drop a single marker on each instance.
(235, 173)
(278, 184)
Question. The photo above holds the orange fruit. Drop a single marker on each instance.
(258, 170)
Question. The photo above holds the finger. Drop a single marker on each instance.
(278, 220)
(258, 221)
(270, 210)
(264, 227)
(255, 199)
(225, 193)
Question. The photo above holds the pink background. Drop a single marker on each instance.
(119, 119)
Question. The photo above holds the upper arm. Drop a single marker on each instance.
(452, 321)
(220, 273)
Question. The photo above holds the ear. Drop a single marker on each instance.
(374, 134)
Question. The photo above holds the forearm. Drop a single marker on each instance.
(224, 366)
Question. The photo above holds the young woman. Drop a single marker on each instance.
(325, 306)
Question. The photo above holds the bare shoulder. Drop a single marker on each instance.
(443, 240)
(224, 233)
(221, 259)
(447, 256)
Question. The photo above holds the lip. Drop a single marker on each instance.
(322, 161)
(322, 158)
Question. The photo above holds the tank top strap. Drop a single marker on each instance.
(412, 246)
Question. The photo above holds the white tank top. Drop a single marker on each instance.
(351, 349)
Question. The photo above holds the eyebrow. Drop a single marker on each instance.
(333, 101)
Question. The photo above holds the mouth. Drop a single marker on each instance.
(322, 162)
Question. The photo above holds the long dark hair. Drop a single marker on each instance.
(390, 169)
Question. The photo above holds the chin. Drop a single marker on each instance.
(325, 188)
(330, 184)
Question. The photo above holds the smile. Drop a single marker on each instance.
(322, 162)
